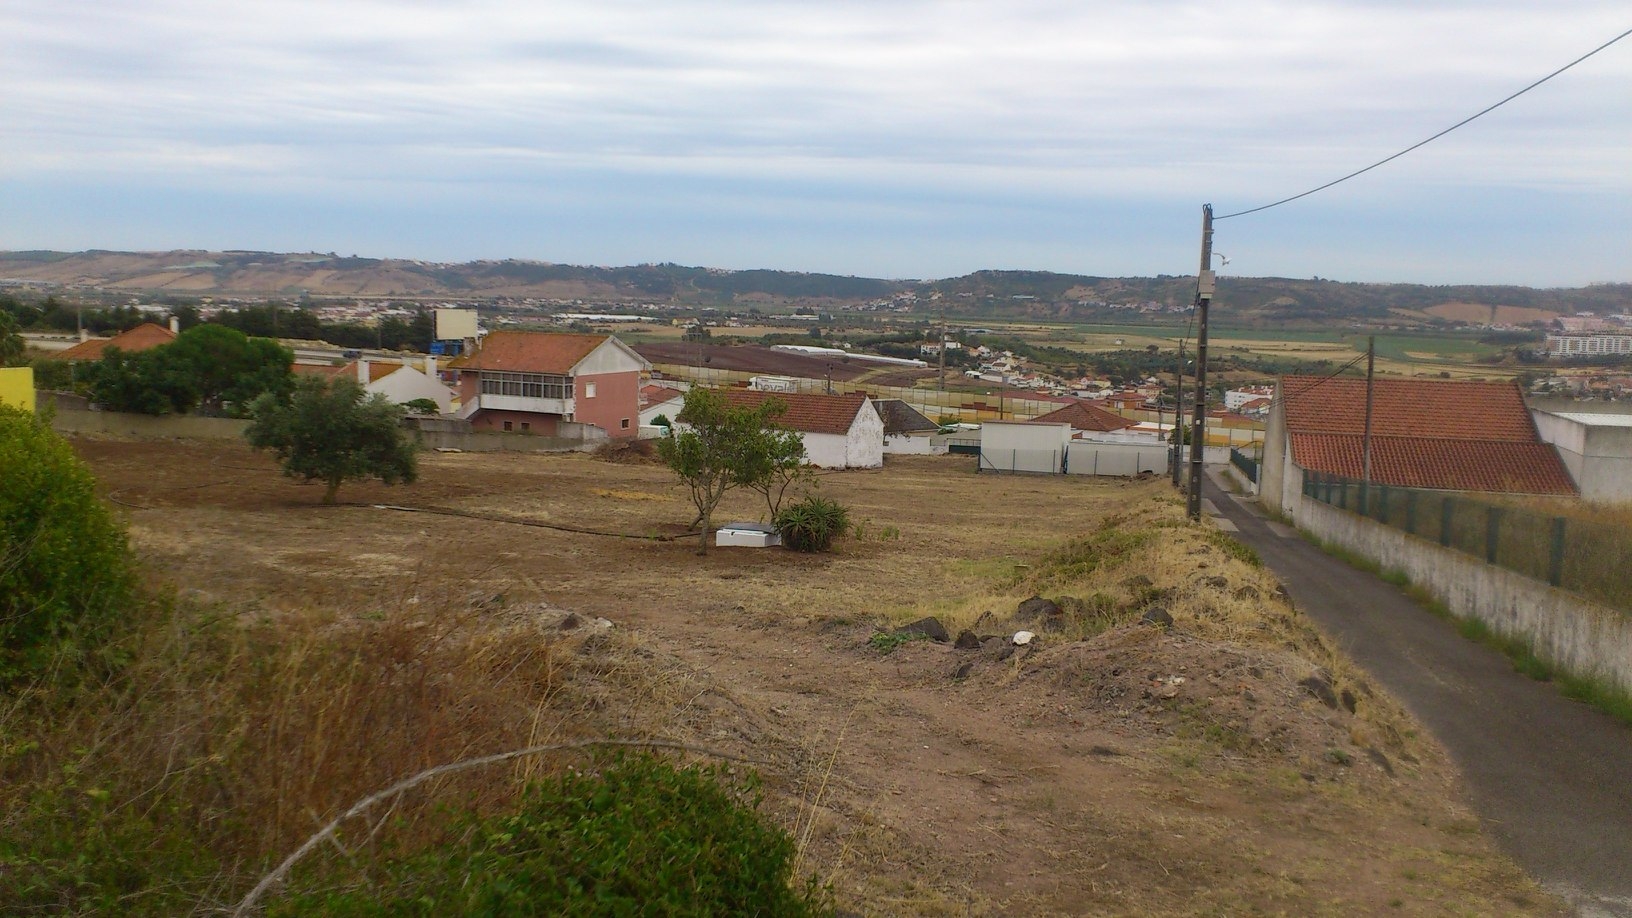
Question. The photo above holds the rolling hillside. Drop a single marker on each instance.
(1038, 295)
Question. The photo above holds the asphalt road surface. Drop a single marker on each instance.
(1550, 778)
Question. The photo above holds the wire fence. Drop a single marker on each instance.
(1588, 558)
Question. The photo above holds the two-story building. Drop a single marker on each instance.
(546, 383)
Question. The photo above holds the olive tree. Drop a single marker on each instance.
(333, 433)
(722, 446)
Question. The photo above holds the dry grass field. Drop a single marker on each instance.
(1112, 768)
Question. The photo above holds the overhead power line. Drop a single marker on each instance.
(1484, 111)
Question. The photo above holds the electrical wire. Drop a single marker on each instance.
(1421, 143)
(1289, 396)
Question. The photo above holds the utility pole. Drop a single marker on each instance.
(1206, 283)
(940, 378)
(1365, 440)
(1174, 451)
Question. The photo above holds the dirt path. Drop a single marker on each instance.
(1550, 777)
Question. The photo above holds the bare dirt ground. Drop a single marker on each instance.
(1228, 765)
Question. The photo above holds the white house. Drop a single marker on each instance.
(397, 380)
(839, 431)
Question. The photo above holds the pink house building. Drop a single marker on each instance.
(544, 383)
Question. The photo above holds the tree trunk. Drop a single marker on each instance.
(702, 535)
(331, 489)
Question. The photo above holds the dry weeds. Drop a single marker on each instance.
(1115, 768)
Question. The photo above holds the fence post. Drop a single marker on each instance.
(1362, 497)
(1382, 504)
(1411, 512)
(1493, 532)
(1555, 555)
(1447, 516)
(1343, 495)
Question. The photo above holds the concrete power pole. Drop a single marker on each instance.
(1206, 283)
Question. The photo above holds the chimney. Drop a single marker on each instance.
(175, 325)
(362, 372)
(430, 365)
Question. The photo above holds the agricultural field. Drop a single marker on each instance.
(1230, 763)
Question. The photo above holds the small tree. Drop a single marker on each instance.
(773, 463)
(11, 342)
(718, 449)
(333, 433)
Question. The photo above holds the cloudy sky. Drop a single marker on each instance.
(892, 138)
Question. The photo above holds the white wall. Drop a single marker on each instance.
(1597, 456)
(1124, 459)
(825, 450)
(864, 444)
(670, 409)
(925, 444)
(610, 356)
(406, 383)
(1023, 446)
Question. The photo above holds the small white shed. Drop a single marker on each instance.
(1024, 446)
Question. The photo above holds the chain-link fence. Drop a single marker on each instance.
(1585, 557)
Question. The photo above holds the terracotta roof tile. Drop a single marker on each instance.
(1438, 463)
(1439, 434)
(807, 413)
(143, 337)
(1083, 416)
(1408, 408)
(657, 395)
(530, 352)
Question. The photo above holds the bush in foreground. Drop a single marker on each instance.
(812, 523)
(635, 837)
(65, 572)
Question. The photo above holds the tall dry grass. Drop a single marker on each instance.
(222, 744)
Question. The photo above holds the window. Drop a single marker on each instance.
(525, 427)
(624, 424)
(589, 390)
(527, 385)
(506, 425)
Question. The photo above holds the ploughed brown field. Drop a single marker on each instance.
(1114, 767)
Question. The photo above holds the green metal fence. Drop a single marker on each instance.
(1592, 559)
(1247, 464)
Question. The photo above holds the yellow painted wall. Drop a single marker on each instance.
(17, 387)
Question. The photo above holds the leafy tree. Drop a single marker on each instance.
(144, 382)
(11, 343)
(422, 406)
(773, 463)
(333, 433)
(65, 573)
(719, 449)
(228, 367)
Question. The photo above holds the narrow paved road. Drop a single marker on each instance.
(1551, 778)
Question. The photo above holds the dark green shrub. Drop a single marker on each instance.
(812, 523)
(636, 837)
(65, 573)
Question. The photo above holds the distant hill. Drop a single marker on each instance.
(1037, 295)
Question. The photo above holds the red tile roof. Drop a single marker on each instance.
(1438, 463)
(657, 395)
(142, 337)
(1083, 416)
(377, 370)
(1439, 434)
(530, 352)
(807, 413)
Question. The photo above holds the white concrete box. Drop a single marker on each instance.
(747, 535)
